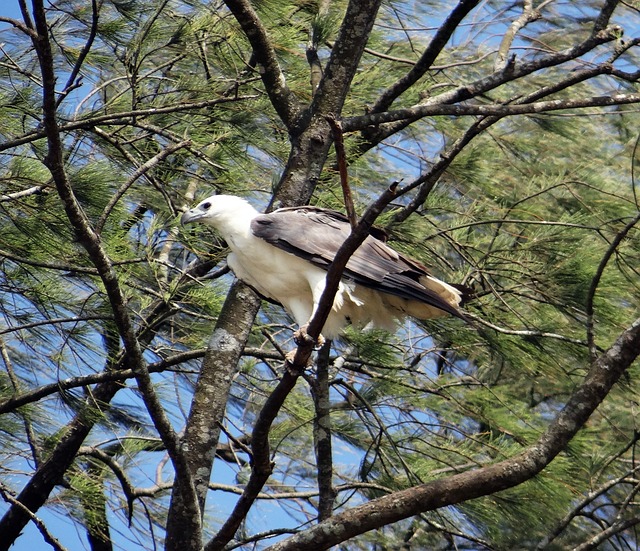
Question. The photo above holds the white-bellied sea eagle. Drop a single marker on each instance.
(284, 256)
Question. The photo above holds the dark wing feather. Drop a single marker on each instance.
(316, 234)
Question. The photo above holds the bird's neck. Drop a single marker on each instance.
(235, 225)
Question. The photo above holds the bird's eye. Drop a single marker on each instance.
(206, 206)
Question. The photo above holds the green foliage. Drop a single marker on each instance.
(524, 214)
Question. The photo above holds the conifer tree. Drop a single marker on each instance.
(144, 398)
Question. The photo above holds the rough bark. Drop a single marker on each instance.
(202, 432)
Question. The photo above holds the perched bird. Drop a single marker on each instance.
(284, 256)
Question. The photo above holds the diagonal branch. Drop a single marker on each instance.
(601, 378)
(281, 96)
(337, 266)
(35, 493)
(71, 81)
(46, 535)
(262, 465)
(438, 42)
(474, 89)
(529, 14)
(427, 180)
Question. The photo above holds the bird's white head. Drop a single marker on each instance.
(220, 211)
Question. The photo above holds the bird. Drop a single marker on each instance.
(284, 256)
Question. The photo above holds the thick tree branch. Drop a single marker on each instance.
(345, 57)
(201, 436)
(323, 448)
(467, 91)
(282, 98)
(311, 139)
(411, 114)
(603, 374)
(261, 465)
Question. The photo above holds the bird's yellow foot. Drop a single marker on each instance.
(302, 337)
(293, 367)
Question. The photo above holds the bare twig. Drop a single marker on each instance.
(55, 321)
(143, 169)
(595, 281)
(43, 391)
(525, 332)
(123, 118)
(338, 143)
(40, 525)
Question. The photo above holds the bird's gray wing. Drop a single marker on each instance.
(316, 234)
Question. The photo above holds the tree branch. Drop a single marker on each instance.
(201, 436)
(262, 466)
(529, 14)
(604, 373)
(436, 45)
(93, 31)
(322, 433)
(467, 91)
(46, 535)
(282, 98)
(411, 114)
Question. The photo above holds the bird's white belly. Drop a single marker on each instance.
(275, 274)
(279, 276)
(295, 283)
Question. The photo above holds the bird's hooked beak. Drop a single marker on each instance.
(192, 215)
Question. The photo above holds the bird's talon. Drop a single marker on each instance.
(301, 337)
(290, 363)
